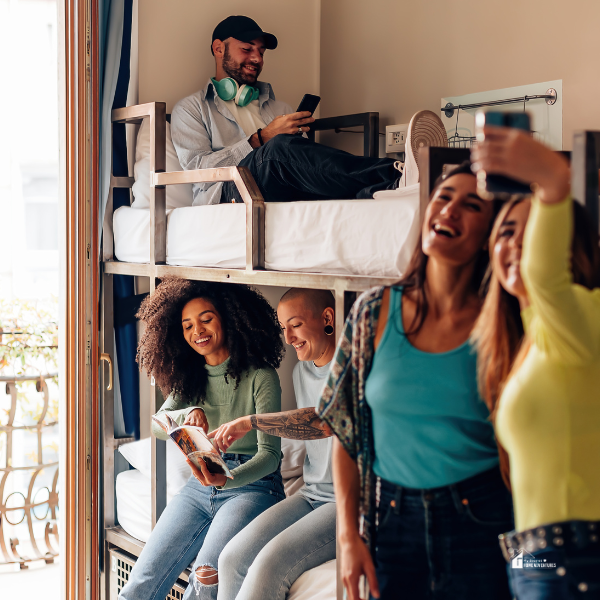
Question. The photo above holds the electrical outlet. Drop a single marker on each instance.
(395, 137)
(398, 137)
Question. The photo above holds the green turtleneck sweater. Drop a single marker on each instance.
(258, 392)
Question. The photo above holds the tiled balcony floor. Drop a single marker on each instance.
(39, 581)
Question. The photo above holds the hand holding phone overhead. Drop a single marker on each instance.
(510, 162)
(493, 185)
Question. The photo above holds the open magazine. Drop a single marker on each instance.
(192, 441)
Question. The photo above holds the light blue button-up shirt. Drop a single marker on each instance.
(206, 135)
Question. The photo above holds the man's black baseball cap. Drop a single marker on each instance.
(244, 29)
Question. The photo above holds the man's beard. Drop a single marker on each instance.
(235, 70)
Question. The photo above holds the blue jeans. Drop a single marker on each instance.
(195, 526)
(577, 567)
(264, 559)
(291, 167)
(442, 543)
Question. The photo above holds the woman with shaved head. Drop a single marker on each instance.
(300, 533)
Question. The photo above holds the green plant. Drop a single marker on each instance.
(29, 347)
(28, 337)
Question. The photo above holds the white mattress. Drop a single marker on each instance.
(133, 514)
(349, 237)
(317, 584)
(134, 503)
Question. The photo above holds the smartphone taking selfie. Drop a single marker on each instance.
(309, 102)
(500, 187)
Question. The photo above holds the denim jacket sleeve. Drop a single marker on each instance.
(206, 135)
(193, 142)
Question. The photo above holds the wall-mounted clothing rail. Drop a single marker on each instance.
(550, 96)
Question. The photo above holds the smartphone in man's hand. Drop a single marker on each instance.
(309, 103)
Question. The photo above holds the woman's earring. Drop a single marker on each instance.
(328, 330)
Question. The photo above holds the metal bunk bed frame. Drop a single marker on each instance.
(344, 287)
(115, 541)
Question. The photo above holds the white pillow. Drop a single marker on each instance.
(137, 454)
(294, 452)
(177, 195)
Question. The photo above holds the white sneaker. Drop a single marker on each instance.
(425, 129)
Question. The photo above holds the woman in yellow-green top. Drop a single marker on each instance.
(538, 338)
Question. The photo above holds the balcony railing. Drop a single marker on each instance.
(28, 492)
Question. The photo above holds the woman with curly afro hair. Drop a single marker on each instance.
(213, 349)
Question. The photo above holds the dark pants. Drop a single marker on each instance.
(291, 167)
(580, 578)
(442, 543)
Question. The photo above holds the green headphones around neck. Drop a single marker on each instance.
(228, 89)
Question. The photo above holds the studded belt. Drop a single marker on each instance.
(567, 535)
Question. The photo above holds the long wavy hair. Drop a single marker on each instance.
(498, 333)
(251, 332)
(415, 276)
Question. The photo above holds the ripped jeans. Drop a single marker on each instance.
(195, 526)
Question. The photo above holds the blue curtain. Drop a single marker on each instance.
(115, 46)
(111, 16)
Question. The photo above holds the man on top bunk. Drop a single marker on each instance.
(235, 120)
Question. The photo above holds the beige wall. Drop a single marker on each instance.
(392, 56)
(400, 56)
(175, 36)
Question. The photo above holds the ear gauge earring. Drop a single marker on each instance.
(328, 329)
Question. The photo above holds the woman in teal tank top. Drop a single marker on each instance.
(415, 451)
(429, 404)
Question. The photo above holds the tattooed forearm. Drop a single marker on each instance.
(301, 424)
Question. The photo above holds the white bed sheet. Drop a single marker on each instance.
(315, 584)
(349, 237)
(133, 514)
(134, 503)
